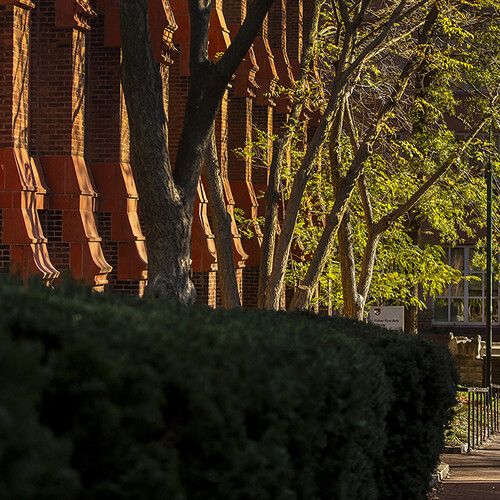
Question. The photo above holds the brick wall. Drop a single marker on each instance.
(76, 109)
(15, 24)
(206, 288)
(4, 250)
(109, 246)
(104, 128)
(221, 134)
(294, 28)
(6, 57)
(52, 226)
(250, 286)
(178, 91)
(235, 11)
(277, 25)
(239, 134)
(124, 130)
(21, 77)
(78, 91)
(263, 120)
(52, 83)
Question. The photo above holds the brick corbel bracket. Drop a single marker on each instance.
(162, 26)
(138, 260)
(203, 252)
(219, 41)
(118, 195)
(74, 194)
(22, 193)
(74, 14)
(245, 84)
(286, 79)
(267, 76)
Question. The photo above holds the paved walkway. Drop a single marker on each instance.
(473, 476)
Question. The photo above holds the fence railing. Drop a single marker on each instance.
(483, 414)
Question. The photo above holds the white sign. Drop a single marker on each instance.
(392, 317)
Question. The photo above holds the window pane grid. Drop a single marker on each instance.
(464, 302)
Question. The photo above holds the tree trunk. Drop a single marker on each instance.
(167, 199)
(411, 314)
(302, 296)
(165, 211)
(272, 198)
(411, 310)
(280, 150)
(299, 185)
(222, 230)
(353, 304)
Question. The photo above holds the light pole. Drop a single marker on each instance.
(489, 251)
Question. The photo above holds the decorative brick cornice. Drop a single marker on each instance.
(245, 84)
(267, 76)
(74, 14)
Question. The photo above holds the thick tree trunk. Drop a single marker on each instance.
(165, 211)
(222, 230)
(167, 199)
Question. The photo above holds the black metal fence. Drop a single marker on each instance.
(483, 414)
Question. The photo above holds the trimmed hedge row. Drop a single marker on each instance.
(423, 379)
(139, 399)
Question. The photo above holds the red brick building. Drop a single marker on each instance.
(68, 200)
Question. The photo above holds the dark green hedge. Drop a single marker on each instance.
(33, 463)
(422, 378)
(141, 399)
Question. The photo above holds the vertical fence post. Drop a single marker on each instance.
(468, 421)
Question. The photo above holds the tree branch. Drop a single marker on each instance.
(207, 87)
(403, 208)
(363, 191)
(239, 47)
(199, 19)
(222, 229)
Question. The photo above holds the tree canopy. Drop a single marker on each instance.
(393, 82)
